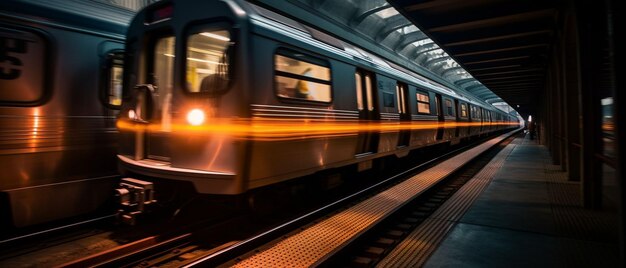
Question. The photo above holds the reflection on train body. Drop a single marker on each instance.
(60, 81)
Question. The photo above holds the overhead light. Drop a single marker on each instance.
(216, 36)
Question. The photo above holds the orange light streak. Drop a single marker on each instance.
(289, 129)
(34, 134)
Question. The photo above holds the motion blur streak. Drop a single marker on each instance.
(285, 129)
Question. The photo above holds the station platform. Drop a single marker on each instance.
(527, 215)
(517, 211)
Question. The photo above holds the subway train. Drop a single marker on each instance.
(228, 96)
(60, 91)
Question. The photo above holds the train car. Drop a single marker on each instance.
(60, 80)
(227, 96)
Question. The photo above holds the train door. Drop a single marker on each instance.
(161, 76)
(440, 119)
(368, 111)
(482, 120)
(490, 121)
(404, 135)
(457, 107)
(472, 119)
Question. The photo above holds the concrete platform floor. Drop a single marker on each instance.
(530, 216)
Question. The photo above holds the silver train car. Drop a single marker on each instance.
(60, 91)
(228, 96)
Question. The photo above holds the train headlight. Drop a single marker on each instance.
(132, 115)
(195, 117)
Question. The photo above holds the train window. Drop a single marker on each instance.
(23, 57)
(423, 103)
(114, 71)
(449, 110)
(208, 60)
(463, 110)
(163, 66)
(359, 91)
(368, 91)
(437, 105)
(399, 98)
(160, 73)
(299, 76)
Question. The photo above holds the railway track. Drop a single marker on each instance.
(200, 254)
(223, 241)
(336, 244)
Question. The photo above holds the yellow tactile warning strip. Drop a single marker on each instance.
(318, 242)
(417, 247)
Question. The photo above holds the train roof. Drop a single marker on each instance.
(342, 48)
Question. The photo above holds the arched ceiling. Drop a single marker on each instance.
(502, 43)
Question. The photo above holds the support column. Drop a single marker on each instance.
(616, 20)
(554, 112)
(549, 132)
(569, 48)
(591, 35)
(543, 121)
(562, 112)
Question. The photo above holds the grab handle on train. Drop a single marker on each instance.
(143, 99)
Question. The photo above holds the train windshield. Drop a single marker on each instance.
(163, 78)
(208, 60)
(164, 63)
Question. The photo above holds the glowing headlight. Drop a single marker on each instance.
(195, 117)
(131, 114)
